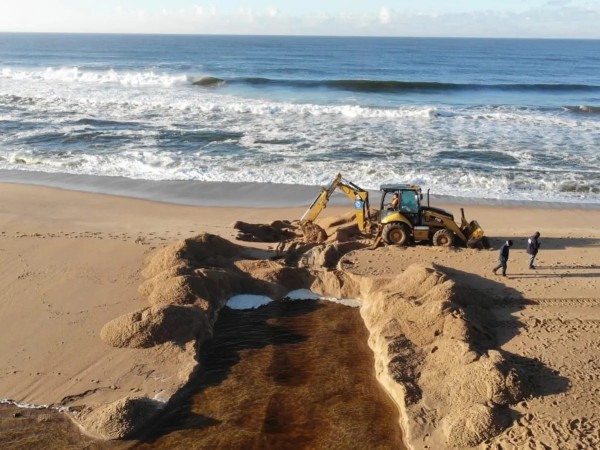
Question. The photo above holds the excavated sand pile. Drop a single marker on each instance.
(312, 232)
(340, 229)
(451, 394)
(186, 285)
(332, 229)
(276, 231)
(118, 419)
(156, 325)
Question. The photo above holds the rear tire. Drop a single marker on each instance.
(396, 234)
(443, 238)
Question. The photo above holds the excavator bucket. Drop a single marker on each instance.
(474, 231)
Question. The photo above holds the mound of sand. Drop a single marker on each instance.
(204, 250)
(272, 279)
(156, 325)
(450, 392)
(333, 229)
(119, 419)
(279, 230)
(312, 232)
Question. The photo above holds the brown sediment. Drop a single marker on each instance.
(287, 375)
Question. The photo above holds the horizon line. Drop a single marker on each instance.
(125, 33)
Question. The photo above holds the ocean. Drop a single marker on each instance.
(499, 119)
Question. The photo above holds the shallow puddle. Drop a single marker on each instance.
(287, 375)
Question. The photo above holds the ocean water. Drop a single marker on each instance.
(480, 118)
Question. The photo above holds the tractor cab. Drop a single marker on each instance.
(408, 204)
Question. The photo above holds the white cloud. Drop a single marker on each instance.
(385, 15)
(550, 18)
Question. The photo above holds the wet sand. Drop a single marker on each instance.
(291, 375)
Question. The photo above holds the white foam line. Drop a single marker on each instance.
(6, 401)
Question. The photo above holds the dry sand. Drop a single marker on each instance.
(72, 262)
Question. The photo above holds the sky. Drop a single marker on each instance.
(458, 18)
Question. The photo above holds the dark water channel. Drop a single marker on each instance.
(292, 375)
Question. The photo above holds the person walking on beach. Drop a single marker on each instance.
(503, 257)
(533, 245)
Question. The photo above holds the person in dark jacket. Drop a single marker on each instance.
(533, 245)
(503, 257)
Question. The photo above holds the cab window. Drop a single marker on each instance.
(409, 202)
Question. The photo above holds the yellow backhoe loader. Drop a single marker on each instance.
(403, 221)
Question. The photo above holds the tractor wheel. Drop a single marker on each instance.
(486, 242)
(396, 234)
(443, 238)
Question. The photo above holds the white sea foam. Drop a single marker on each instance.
(5, 401)
(76, 75)
(453, 181)
(111, 123)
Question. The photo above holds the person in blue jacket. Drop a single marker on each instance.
(533, 245)
(503, 257)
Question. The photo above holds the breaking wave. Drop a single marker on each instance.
(155, 78)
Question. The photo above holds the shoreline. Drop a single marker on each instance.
(235, 194)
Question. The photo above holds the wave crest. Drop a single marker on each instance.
(583, 109)
(207, 81)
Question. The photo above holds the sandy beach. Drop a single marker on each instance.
(71, 262)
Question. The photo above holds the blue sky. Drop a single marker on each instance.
(469, 18)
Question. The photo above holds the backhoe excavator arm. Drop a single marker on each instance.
(357, 195)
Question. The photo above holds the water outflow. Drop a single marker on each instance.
(286, 375)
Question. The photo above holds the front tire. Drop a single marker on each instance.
(443, 238)
(396, 234)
